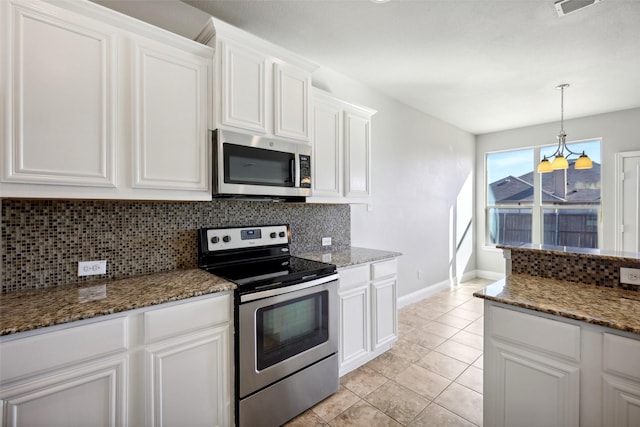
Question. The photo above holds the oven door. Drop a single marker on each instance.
(284, 333)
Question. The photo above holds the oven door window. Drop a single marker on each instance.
(291, 327)
(258, 166)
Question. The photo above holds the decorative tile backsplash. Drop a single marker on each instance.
(43, 240)
(578, 268)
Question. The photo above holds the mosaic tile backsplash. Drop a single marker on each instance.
(600, 271)
(43, 240)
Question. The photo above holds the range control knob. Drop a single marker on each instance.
(281, 234)
(273, 235)
(226, 239)
(215, 239)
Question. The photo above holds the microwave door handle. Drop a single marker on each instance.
(292, 171)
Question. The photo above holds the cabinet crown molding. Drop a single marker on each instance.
(215, 28)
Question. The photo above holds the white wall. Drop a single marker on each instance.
(619, 131)
(419, 167)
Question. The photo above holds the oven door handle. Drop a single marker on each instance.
(286, 289)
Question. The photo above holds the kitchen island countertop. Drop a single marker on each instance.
(349, 256)
(27, 310)
(610, 307)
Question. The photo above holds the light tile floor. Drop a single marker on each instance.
(431, 377)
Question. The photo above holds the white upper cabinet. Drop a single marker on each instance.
(341, 138)
(264, 88)
(327, 148)
(170, 127)
(291, 87)
(98, 105)
(244, 87)
(59, 81)
(357, 143)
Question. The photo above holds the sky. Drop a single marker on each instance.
(519, 162)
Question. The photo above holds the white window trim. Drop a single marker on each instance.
(537, 231)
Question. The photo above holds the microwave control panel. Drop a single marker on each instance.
(305, 171)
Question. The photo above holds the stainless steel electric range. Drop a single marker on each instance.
(286, 322)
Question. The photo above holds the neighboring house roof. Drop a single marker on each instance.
(582, 186)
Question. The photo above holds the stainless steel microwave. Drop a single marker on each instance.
(255, 166)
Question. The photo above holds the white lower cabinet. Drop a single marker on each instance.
(544, 370)
(166, 365)
(368, 312)
(186, 380)
(92, 394)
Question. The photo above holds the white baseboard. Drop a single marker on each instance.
(491, 275)
(421, 294)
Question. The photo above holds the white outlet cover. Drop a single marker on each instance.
(630, 276)
(326, 241)
(90, 268)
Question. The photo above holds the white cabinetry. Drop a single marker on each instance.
(265, 89)
(154, 367)
(621, 381)
(70, 377)
(368, 312)
(99, 105)
(543, 370)
(187, 363)
(341, 138)
(170, 128)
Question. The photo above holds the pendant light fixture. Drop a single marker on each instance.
(559, 158)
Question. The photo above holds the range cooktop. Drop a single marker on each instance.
(256, 258)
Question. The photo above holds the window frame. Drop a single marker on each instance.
(537, 206)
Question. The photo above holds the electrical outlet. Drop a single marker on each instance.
(630, 276)
(89, 268)
(326, 241)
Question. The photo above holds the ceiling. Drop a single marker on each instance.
(481, 65)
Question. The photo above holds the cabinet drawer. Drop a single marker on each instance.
(622, 356)
(353, 276)
(551, 336)
(187, 317)
(54, 349)
(384, 269)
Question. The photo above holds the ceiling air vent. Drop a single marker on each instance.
(564, 7)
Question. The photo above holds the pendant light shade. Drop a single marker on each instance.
(560, 160)
(559, 163)
(583, 162)
(545, 166)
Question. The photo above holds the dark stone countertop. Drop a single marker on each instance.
(27, 310)
(350, 256)
(610, 307)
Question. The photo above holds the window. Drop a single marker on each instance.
(510, 196)
(558, 208)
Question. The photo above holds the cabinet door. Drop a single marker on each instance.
(59, 97)
(357, 154)
(89, 395)
(170, 118)
(528, 389)
(187, 380)
(244, 90)
(327, 149)
(621, 406)
(354, 324)
(384, 313)
(291, 87)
